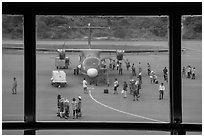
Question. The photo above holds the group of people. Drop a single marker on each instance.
(135, 86)
(64, 108)
(133, 69)
(188, 72)
(153, 77)
(118, 65)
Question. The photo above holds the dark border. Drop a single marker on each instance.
(103, 8)
(173, 10)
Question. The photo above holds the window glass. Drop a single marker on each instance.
(191, 59)
(193, 133)
(12, 132)
(61, 72)
(100, 132)
(12, 68)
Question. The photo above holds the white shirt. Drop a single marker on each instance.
(84, 83)
(137, 82)
(189, 69)
(115, 83)
(161, 87)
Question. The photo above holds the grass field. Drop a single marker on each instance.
(99, 106)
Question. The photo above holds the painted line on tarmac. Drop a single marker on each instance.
(124, 111)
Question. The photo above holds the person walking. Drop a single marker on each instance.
(113, 64)
(84, 82)
(74, 107)
(184, 72)
(127, 64)
(110, 64)
(78, 110)
(14, 86)
(135, 91)
(66, 109)
(117, 65)
(120, 69)
(161, 91)
(148, 69)
(139, 68)
(133, 70)
(151, 76)
(140, 77)
(165, 71)
(124, 91)
(61, 107)
(189, 71)
(116, 85)
(58, 104)
(193, 73)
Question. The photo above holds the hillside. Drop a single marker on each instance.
(128, 28)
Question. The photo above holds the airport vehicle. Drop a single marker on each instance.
(58, 78)
(62, 61)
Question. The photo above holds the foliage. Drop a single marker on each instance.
(123, 27)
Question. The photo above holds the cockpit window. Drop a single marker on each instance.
(91, 62)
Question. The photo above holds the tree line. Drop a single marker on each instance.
(121, 27)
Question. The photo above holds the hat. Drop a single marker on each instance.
(79, 97)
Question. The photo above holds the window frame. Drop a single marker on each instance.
(175, 11)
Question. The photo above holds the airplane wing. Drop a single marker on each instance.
(100, 50)
(121, 53)
(37, 49)
(134, 50)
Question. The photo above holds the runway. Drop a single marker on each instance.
(98, 106)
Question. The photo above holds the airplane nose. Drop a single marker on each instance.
(92, 72)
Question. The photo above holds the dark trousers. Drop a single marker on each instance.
(120, 72)
(74, 113)
(148, 72)
(193, 76)
(189, 75)
(161, 94)
(113, 67)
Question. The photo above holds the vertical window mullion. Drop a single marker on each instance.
(30, 69)
(175, 68)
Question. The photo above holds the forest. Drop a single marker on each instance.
(116, 27)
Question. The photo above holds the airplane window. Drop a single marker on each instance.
(191, 59)
(12, 68)
(145, 43)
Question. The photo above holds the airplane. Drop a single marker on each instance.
(91, 62)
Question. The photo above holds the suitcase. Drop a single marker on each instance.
(156, 82)
(105, 91)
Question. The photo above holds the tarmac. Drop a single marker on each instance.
(97, 106)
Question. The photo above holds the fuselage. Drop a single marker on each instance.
(90, 62)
